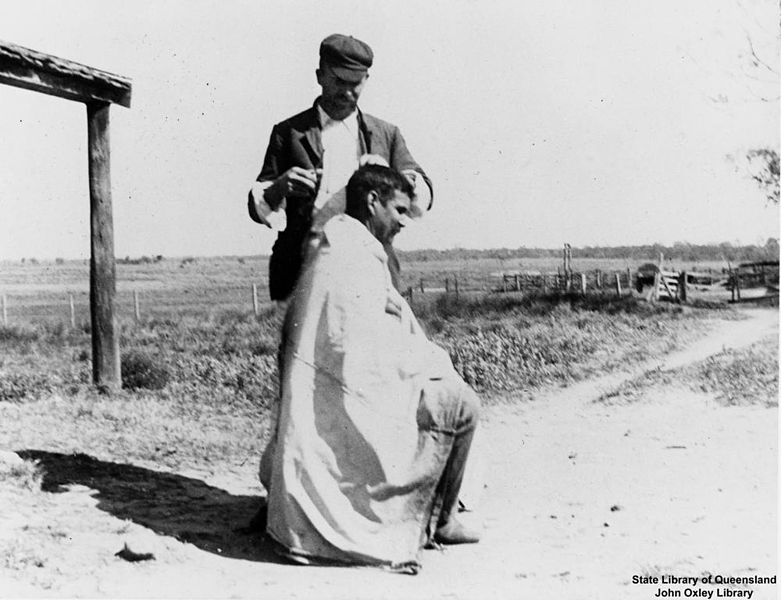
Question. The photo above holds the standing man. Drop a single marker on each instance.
(311, 156)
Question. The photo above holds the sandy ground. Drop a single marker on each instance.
(579, 497)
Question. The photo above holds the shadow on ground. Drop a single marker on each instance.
(181, 507)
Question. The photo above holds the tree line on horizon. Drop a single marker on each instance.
(681, 251)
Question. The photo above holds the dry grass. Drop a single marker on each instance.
(748, 376)
(213, 363)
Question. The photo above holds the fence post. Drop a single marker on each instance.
(255, 308)
(544, 284)
(628, 278)
(618, 285)
(422, 289)
(447, 285)
(136, 308)
(682, 291)
(73, 312)
(583, 283)
(504, 283)
(455, 285)
(654, 296)
(409, 293)
(517, 282)
(5, 310)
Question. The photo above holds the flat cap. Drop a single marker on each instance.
(349, 58)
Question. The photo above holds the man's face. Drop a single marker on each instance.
(339, 97)
(387, 220)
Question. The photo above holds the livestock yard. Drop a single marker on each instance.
(623, 439)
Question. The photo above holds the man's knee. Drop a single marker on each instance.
(470, 407)
(449, 404)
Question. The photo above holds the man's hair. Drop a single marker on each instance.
(382, 180)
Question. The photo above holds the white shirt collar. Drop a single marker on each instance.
(350, 121)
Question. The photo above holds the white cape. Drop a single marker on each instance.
(357, 454)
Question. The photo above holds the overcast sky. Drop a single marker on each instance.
(593, 122)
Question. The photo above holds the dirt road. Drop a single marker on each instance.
(579, 498)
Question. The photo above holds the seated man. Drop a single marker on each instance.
(374, 425)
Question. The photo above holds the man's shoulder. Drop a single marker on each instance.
(378, 124)
(300, 121)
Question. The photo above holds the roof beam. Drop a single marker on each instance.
(32, 70)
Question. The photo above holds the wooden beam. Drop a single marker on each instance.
(105, 342)
(32, 70)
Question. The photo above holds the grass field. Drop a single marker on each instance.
(204, 364)
(202, 287)
(200, 372)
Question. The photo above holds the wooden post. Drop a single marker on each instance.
(73, 311)
(654, 296)
(455, 285)
(583, 283)
(136, 308)
(447, 284)
(667, 287)
(409, 293)
(544, 284)
(28, 69)
(731, 279)
(618, 285)
(422, 289)
(517, 282)
(105, 342)
(682, 291)
(628, 278)
(5, 309)
(255, 307)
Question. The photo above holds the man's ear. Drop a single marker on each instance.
(371, 199)
(318, 75)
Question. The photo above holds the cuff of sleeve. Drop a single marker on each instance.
(274, 219)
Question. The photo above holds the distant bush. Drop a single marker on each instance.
(16, 386)
(19, 334)
(59, 261)
(141, 370)
(144, 260)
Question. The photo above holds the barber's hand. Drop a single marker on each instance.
(296, 182)
(412, 176)
(372, 159)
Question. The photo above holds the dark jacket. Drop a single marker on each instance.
(296, 142)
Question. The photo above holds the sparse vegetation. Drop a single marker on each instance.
(141, 370)
(200, 371)
(503, 343)
(26, 475)
(734, 377)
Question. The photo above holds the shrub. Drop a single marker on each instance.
(15, 386)
(25, 474)
(140, 370)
